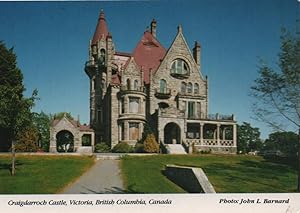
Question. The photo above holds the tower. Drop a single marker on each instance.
(99, 70)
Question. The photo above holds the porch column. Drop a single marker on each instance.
(224, 133)
(201, 133)
(234, 134)
(218, 134)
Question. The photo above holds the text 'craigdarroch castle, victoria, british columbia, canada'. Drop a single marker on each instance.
(162, 87)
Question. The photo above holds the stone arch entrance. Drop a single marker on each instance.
(64, 141)
(172, 134)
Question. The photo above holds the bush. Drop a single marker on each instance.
(139, 148)
(150, 144)
(102, 147)
(122, 148)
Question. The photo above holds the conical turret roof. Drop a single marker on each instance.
(101, 29)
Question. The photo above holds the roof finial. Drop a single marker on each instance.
(179, 28)
(101, 16)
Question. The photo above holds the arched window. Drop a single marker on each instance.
(196, 88)
(102, 56)
(135, 84)
(128, 84)
(190, 87)
(183, 87)
(103, 83)
(179, 66)
(163, 86)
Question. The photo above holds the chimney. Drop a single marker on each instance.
(153, 28)
(196, 53)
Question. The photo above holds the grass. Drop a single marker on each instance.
(41, 174)
(227, 173)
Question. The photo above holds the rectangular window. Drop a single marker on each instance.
(134, 105)
(133, 131)
(122, 105)
(122, 131)
(191, 109)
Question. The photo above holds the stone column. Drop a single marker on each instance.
(93, 140)
(119, 132)
(234, 135)
(218, 134)
(140, 130)
(224, 133)
(126, 130)
(126, 104)
(201, 133)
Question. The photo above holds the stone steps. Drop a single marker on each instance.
(176, 149)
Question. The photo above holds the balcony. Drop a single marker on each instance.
(179, 75)
(218, 116)
(137, 90)
(163, 93)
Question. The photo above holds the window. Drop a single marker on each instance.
(122, 105)
(191, 109)
(163, 86)
(198, 109)
(133, 131)
(94, 84)
(103, 83)
(190, 87)
(128, 84)
(179, 66)
(183, 87)
(196, 88)
(135, 84)
(122, 131)
(134, 105)
(102, 56)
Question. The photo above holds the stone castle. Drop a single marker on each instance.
(161, 87)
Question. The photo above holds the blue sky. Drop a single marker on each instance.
(51, 42)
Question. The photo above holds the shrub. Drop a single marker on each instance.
(150, 144)
(122, 148)
(139, 148)
(102, 147)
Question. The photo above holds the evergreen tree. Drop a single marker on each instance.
(15, 112)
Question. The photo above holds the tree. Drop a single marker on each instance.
(285, 142)
(15, 109)
(41, 121)
(277, 89)
(248, 138)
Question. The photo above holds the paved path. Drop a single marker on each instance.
(103, 177)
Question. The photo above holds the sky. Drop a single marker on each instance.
(51, 42)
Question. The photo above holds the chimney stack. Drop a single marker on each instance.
(196, 53)
(153, 28)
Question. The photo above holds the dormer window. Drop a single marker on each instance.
(179, 68)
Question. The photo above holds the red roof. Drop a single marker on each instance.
(101, 29)
(148, 54)
(115, 79)
(85, 128)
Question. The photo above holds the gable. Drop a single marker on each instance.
(132, 68)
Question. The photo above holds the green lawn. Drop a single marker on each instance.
(227, 173)
(41, 174)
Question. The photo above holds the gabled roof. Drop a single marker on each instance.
(148, 54)
(101, 29)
